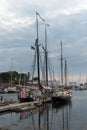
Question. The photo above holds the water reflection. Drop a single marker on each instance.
(47, 117)
(50, 117)
(43, 117)
(62, 112)
(71, 116)
(24, 114)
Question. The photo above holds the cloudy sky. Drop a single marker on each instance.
(68, 22)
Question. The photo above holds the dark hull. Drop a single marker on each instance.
(25, 99)
(61, 99)
(11, 92)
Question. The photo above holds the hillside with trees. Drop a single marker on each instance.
(14, 77)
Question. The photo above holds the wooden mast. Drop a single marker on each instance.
(37, 50)
(46, 56)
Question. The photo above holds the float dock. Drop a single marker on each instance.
(23, 106)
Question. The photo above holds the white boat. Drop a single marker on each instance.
(11, 90)
(62, 95)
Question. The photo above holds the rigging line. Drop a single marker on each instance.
(41, 67)
(53, 73)
(33, 69)
(44, 69)
(44, 66)
(52, 69)
(50, 72)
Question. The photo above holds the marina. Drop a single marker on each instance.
(41, 90)
(49, 116)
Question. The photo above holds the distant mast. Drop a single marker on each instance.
(65, 73)
(20, 79)
(61, 65)
(11, 71)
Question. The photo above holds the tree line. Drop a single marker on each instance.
(14, 77)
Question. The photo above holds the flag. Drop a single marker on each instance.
(32, 47)
(40, 16)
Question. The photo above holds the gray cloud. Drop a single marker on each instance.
(67, 21)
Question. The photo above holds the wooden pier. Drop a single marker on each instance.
(23, 106)
(16, 106)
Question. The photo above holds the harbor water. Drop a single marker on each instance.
(50, 116)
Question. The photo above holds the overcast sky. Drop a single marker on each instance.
(68, 23)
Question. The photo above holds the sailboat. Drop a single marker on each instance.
(11, 88)
(62, 95)
(23, 95)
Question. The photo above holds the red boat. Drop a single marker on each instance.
(25, 96)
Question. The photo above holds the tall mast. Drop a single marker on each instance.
(61, 66)
(46, 54)
(37, 49)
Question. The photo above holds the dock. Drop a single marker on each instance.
(17, 107)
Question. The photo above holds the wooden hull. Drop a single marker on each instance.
(60, 99)
(63, 97)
